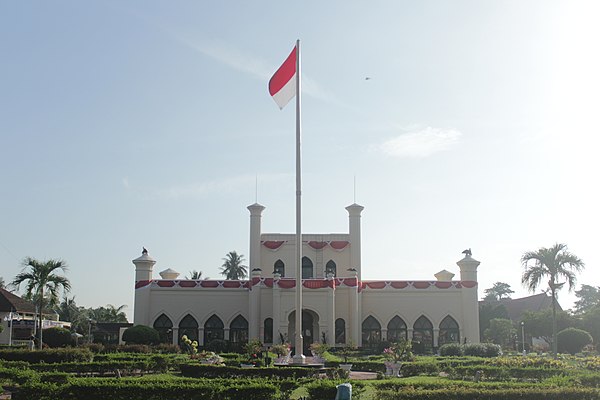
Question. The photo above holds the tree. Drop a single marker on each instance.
(588, 298)
(555, 263)
(591, 323)
(539, 323)
(43, 284)
(499, 291)
(232, 268)
(141, 334)
(109, 313)
(195, 275)
(501, 331)
(57, 337)
(573, 340)
(2, 284)
(487, 312)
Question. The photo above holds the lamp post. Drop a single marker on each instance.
(10, 318)
(90, 330)
(523, 336)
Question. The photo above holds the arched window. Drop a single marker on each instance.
(396, 330)
(189, 327)
(268, 330)
(164, 326)
(238, 330)
(330, 268)
(340, 331)
(423, 334)
(449, 332)
(213, 329)
(307, 268)
(371, 332)
(279, 268)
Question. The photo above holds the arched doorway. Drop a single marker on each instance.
(310, 329)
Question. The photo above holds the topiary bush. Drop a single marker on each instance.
(482, 350)
(140, 334)
(451, 350)
(57, 337)
(217, 345)
(572, 340)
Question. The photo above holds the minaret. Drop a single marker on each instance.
(255, 270)
(470, 305)
(143, 274)
(354, 211)
(255, 232)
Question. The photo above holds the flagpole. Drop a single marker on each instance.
(299, 356)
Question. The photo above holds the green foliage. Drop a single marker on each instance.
(591, 323)
(451, 349)
(47, 355)
(489, 311)
(500, 332)
(482, 349)
(400, 350)
(498, 291)
(539, 324)
(212, 371)
(233, 267)
(141, 334)
(487, 394)
(572, 340)
(588, 297)
(57, 337)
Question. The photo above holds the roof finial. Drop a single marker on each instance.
(144, 251)
(467, 252)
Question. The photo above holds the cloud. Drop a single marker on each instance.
(421, 143)
(125, 182)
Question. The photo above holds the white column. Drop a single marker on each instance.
(470, 306)
(354, 211)
(255, 232)
(254, 305)
(276, 310)
(331, 314)
(143, 272)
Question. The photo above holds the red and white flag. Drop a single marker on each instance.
(282, 85)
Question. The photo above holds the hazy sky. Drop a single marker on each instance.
(145, 123)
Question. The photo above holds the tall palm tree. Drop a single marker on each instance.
(556, 263)
(232, 268)
(42, 283)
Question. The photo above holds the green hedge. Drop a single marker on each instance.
(102, 389)
(47, 356)
(212, 371)
(327, 389)
(487, 394)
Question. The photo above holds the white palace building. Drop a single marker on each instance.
(338, 306)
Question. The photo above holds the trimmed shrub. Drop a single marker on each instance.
(57, 337)
(47, 355)
(212, 371)
(487, 394)
(482, 350)
(140, 334)
(573, 340)
(451, 350)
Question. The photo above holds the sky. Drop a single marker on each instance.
(148, 123)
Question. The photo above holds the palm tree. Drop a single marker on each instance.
(232, 268)
(555, 263)
(42, 283)
(195, 275)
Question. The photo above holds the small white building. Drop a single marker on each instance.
(338, 306)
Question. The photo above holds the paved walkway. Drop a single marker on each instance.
(362, 376)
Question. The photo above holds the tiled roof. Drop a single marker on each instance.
(537, 302)
(12, 302)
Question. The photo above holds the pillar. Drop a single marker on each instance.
(141, 304)
(254, 304)
(331, 313)
(255, 232)
(470, 306)
(354, 211)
